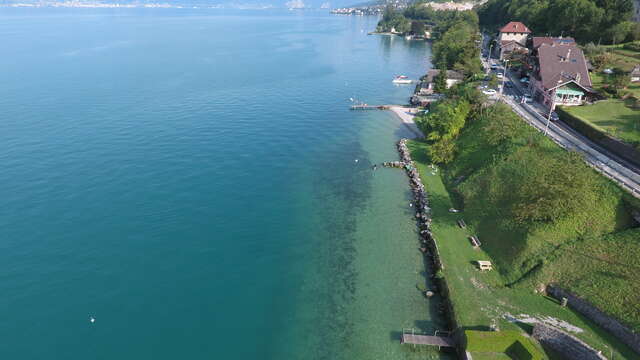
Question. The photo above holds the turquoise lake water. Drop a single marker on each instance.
(188, 179)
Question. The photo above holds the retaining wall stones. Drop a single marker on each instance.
(613, 326)
(569, 346)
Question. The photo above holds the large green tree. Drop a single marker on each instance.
(585, 20)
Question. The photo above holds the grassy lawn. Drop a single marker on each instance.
(480, 299)
(511, 343)
(613, 116)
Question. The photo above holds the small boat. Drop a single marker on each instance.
(401, 79)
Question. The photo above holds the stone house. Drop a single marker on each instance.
(513, 39)
(560, 75)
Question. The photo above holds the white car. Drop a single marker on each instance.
(499, 76)
(489, 92)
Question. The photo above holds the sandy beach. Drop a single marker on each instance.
(406, 115)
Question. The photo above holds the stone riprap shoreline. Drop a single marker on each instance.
(427, 239)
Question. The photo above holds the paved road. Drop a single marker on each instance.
(610, 165)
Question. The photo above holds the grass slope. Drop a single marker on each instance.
(524, 255)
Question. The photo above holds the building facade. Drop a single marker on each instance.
(560, 75)
(513, 39)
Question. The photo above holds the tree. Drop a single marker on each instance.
(493, 81)
(579, 18)
(447, 119)
(417, 28)
(457, 48)
(442, 151)
(619, 79)
(440, 80)
(585, 20)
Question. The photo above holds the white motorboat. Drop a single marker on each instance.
(401, 79)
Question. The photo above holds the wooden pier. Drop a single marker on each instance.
(374, 107)
(439, 341)
(369, 107)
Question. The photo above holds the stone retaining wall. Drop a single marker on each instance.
(569, 346)
(613, 326)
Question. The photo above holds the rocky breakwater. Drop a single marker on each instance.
(429, 245)
(421, 202)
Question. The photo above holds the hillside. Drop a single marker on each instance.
(543, 215)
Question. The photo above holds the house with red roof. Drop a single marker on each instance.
(513, 39)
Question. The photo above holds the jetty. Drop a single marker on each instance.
(372, 107)
(439, 341)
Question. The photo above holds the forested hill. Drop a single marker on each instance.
(604, 21)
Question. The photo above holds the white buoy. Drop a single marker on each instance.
(356, 160)
(92, 319)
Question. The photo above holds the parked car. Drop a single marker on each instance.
(508, 84)
(554, 116)
(494, 66)
(499, 76)
(489, 92)
(528, 98)
(607, 71)
(524, 80)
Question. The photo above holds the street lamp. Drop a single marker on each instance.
(506, 68)
(553, 104)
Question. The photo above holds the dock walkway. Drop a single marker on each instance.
(439, 341)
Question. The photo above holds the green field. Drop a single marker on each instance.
(615, 117)
(526, 255)
(502, 345)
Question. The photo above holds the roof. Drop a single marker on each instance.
(515, 27)
(511, 45)
(635, 71)
(561, 64)
(451, 74)
(539, 40)
(504, 43)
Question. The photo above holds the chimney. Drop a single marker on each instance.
(578, 78)
(569, 54)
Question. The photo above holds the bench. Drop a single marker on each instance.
(462, 224)
(474, 241)
(484, 265)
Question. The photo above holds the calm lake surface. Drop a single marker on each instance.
(188, 179)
